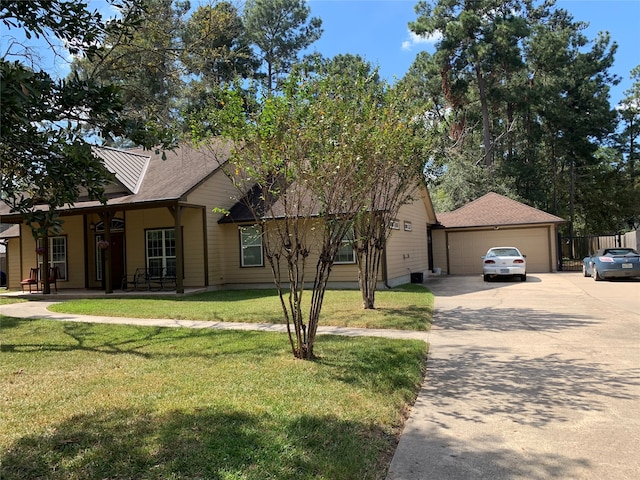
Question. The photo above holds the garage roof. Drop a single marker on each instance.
(493, 209)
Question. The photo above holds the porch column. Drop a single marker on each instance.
(177, 215)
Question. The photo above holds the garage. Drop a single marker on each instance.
(493, 221)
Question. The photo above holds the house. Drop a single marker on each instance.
(465, 234)
(151, 198)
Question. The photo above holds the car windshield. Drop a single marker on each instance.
(504, 252)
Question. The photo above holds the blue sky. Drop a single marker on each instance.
(377, 30)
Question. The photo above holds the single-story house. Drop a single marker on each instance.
(152, 198)
(465, 234)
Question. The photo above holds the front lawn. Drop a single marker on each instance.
(86, 401)
(408, 307)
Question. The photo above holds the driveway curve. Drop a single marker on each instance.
(528, 380)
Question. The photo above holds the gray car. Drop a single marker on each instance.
(612, 263)
(504, 261)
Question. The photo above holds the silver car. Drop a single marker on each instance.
(504, 261)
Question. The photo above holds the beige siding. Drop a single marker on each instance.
(407, 251)
(23, 254)
(14, 269)
(215, 192)
(466, 248)
(137, 222)
(234, 273)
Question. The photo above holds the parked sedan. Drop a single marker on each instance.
(504, 261)
(612, 263)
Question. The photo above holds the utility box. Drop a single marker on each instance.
(417, 277)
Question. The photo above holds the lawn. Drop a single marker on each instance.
(87, 401)
(408, 307)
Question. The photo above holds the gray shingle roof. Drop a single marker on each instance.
(149, 178)
(493, 209)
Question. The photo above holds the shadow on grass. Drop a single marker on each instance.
(145, 342)
(409, 317)
(375, 364)
(210, 443)
(226, 295)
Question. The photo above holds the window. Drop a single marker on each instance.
(251, 246)
(345, 253)
(394, 224)
(57, 255)
(161, 251)
(407, 226)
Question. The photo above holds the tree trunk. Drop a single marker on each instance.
(486, 126)
(323, 270)
(368, 268)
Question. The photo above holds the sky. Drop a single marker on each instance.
(378, 31)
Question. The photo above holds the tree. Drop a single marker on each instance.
(390, 141)
(143, 62)
(280, 29)
(478, 50)
(306, 159)
(628, 147)
(46, 159)
(217, 55)
(543, 107)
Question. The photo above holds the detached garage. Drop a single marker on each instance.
(464, 235)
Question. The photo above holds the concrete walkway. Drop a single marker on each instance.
(535, 380)
(39, 309)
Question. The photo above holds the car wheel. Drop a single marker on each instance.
(594, 273)
(485, 277)
(585, 273)
(523, 278)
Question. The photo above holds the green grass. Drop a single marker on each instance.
(86, 401)
(9, 300)
(408, 307)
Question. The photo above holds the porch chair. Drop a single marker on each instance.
(31, 280)
(54, 275)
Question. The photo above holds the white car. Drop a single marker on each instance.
(504, 261)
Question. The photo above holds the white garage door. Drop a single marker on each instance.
(466, 248)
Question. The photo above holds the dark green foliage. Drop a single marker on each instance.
(280, 29)
(522, 81)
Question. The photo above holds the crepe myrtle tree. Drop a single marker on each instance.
(299, 166)
(392, 143)
(46, 158)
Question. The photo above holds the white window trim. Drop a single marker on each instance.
(346, 242)
(64, 272)
(258, 234)
(164, 255)
(407, 226)
(394, 224)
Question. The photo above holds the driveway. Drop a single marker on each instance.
(534, 380)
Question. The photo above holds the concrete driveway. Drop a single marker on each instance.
(534, 380)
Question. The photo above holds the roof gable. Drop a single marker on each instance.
(128, 167)
(493, 209)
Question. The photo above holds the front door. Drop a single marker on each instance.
(117, 259)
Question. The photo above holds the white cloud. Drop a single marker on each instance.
(415, 39)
